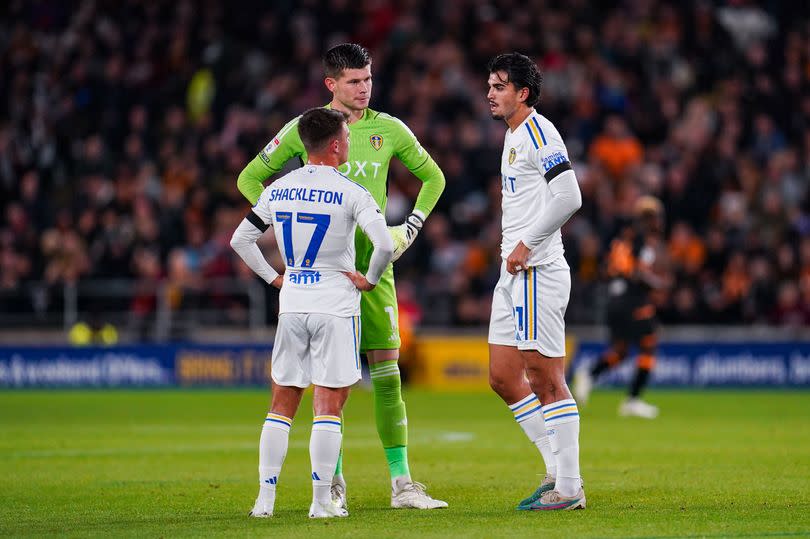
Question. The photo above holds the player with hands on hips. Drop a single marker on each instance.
(377, 139)
(314, 212)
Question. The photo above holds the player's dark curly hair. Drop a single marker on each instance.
(318, 126)
(345, 56)
(521, 71)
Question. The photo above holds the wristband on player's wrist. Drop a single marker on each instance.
(416, 219)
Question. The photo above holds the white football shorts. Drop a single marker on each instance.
(316, 348)
(528, 309)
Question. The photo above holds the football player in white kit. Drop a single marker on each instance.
(527, 328)
(313, 211)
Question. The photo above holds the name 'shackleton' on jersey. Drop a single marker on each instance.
(315, 227)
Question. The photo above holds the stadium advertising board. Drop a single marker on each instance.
(712, 365)
(442, 363)
(461, 363)
(135, 366)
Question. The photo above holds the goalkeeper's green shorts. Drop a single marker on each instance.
(379, 315)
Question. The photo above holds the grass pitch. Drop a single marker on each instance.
(183, 463)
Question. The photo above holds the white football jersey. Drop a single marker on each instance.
(314, 211)
(533, 155)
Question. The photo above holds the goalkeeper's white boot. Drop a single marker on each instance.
(583, 384)
(636, 407)
(338, 492)
(263, 508)
(411, 495)
(326, 510)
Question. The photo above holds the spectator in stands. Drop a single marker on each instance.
(123, 126)
(617, 149)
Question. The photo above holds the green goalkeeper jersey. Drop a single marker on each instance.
(374, 140)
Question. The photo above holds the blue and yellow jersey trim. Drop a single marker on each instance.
(276, 418)
(535, 133)
(326, 420)
(530, 303)
(356, 340)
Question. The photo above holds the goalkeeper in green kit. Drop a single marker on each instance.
(375, 138)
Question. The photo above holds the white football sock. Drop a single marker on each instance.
(272, 451)
(324, 448)
(528, 414)
(562, 424)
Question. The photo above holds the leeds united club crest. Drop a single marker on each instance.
(376, 141)
(512, 155)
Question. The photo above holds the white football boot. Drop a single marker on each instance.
(326, 510)
(636, 407)
(338, 491)
(263, 508)
(412, 495)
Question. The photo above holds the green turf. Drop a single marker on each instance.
(183, 463)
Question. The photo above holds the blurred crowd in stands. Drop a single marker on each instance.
(124, 125)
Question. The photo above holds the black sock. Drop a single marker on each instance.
(639, 382)
(601, 366)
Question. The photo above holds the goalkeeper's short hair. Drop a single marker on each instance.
(345, 56)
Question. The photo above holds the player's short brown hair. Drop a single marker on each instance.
(345, 56)
(318, 126)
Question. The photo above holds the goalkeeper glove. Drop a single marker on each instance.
(404, 234)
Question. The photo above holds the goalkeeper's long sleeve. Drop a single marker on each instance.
(565, 201)
(432, 186)
(251, 179)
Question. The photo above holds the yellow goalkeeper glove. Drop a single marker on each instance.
(404, 234)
